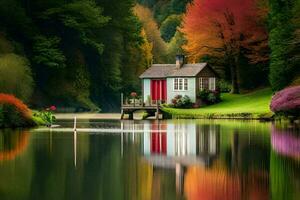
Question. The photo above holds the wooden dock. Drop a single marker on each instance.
(152, 108)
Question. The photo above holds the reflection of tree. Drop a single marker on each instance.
(164, 185)
(284, 168)
(16, 168)
(55, 176)
(137, 174)
(242, 175)
(211, 184)
(248, 152)
(285, 178)
(250, 160)
(12, 144)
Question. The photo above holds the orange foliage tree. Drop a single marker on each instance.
(18, 104)
(226, 28)
(13, 112)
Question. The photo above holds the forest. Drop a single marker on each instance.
(81, 54)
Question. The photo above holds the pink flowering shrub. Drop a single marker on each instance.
(287, 101)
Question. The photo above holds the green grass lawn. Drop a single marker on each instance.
(250, 105)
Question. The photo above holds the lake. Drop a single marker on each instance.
(154, 160)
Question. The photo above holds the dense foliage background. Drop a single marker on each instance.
(83, 53)
(80, 53)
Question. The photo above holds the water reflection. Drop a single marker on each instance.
(12, 144)
(286, 142)
(192, 151)
(285, 155)
(171, 160)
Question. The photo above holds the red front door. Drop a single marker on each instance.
(159, 90)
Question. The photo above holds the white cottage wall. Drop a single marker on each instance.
(146, 89)
(191, 92)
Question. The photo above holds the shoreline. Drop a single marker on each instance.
(240, 116)
(117, 116)
(104, 116)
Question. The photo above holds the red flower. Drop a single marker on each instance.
(133, 94)
(52, 108)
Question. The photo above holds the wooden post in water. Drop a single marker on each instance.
(122, 101)
(157, 110)
(75, 123)
(75, 148)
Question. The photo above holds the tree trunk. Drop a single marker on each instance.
(234, 76)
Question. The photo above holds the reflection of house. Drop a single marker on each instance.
(176, 146)
(181, 143)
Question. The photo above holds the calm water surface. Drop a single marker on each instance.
(180, 159)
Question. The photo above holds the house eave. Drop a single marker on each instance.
(152, 77)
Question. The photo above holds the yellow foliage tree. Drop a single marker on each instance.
(159, 47)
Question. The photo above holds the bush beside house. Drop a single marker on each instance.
(180, 101)
(209, 97)
(205, 97)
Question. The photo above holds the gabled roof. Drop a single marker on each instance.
(170, 70)
(188, 70)
(159, 71)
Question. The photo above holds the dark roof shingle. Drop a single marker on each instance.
(170, 70)
(158, 71)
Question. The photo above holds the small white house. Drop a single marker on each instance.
(165, 81)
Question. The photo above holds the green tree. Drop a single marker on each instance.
(169, 26)
(47, 53)
(179, 6)
(15, 76)
(92, 49)
(280, 36)
(175, 46)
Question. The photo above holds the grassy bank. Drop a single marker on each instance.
(254, 105)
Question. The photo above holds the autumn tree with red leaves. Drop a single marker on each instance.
(226, 28)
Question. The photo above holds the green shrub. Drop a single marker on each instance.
(210, 97)
(44, 117)
(169, 27)
(15, 76)
(203, 95)
(224, 86)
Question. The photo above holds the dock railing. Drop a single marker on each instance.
(130, 105)
(139, 102)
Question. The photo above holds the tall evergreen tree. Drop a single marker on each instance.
(280, 36)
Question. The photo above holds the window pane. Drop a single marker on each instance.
(205, 84)
(185, 84)
(176, 84)
(180, 83)
(201, 84)
(212, 83)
